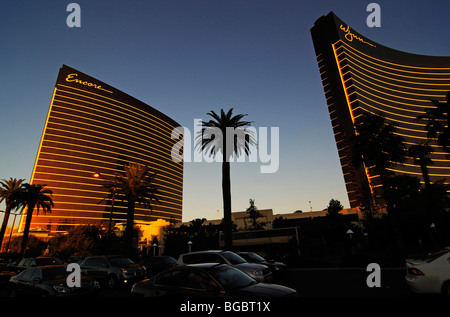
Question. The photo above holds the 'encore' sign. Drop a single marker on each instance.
(73, 78)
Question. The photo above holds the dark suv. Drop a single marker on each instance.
(113, 270)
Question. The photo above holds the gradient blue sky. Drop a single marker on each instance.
(187, 57)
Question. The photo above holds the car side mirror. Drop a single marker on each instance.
(37, 280)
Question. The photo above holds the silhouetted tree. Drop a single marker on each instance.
(134, 185)
(376, 145)
(34, 196)
(254, 214)
(213, 139)
(438, 122)
(9, 192)
(420, 153)
(334, 207)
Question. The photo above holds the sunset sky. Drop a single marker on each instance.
(188, 57)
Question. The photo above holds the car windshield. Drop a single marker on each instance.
(169, 260)
(233, 258)
(255, 257)
(54, 273)
(120, 261)
(231, 278)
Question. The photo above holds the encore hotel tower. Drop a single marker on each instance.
(358, 76)
(92, 127)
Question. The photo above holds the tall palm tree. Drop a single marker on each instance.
(213, 139)
(134, 185)
(438, 122)
(420, 153)
(34, 196)
(9, 192)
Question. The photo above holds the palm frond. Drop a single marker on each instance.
(212, 138)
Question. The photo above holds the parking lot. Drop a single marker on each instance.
(312, 283)
(328, 283)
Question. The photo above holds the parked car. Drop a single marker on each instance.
(430, 275)
(275, 267)
(259, 272)
(208, 280)
(49, 280)
(25, 263)
(156, 264)
(113, 270)
(5, 275)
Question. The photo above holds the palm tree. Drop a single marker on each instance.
(420, 153)
(438, 122)
(376, 145)
(34, 196)
(9, 192)
(213, 139)
(135, 185)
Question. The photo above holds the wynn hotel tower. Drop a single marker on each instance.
(360, 76)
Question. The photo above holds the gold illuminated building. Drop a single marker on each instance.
(358, 76)
(90, 128)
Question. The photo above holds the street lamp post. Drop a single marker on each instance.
(113, 196)
(190, 245)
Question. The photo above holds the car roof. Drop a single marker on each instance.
(108, 256)
(206, 251)
(204, 265)
(48, 267)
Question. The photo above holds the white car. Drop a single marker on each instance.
(430, 275)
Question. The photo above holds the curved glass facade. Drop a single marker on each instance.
(92, 127)
(358, 76)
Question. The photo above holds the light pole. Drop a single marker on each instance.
(113, 196)
(154, 248)
(190, 245)
(349, 232)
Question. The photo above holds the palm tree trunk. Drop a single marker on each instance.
(426, 177)
(130, 223)
(26, 230)
(226, 194)
(429, 192)
(4, 224)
